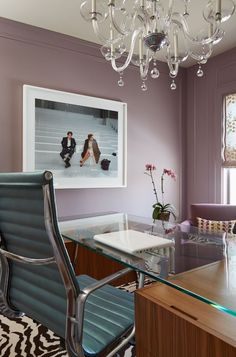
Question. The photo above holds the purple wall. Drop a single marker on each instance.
(34, 56)
(204, 127)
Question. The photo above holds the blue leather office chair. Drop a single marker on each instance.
(38, 280)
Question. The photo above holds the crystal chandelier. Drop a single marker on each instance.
(141, 30)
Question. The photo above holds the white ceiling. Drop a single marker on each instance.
(63, 16)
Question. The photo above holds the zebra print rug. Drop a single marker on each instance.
(24, 337)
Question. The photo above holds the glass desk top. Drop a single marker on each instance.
(199, 264)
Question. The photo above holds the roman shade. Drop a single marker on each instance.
(229, 142)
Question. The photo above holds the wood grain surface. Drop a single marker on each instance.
(172, 324)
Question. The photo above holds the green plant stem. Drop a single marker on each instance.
(153, 185)
(162, 188)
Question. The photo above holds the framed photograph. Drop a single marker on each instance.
(81, 139)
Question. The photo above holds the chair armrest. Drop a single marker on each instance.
(26, 260)
(81, 300)
(89, 289)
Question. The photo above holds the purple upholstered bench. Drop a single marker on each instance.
(211, 211)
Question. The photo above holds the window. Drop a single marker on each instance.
(230, 186)
(229, 149)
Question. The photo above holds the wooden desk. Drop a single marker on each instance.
(172, 324)
(216, 281)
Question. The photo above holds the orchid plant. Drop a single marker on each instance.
(161, 210)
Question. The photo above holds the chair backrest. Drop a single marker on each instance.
(28, 228)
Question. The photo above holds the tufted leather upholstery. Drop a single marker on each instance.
(108, 312)
(38, 290)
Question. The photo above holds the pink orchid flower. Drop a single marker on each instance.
(150, 167)
(170, 173)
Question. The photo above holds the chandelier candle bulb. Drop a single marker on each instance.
(112, 38)
(176, 45)
(210, 31)
(218, 10)
(154, 7)
(142, 3)
(140, 48)
(93, 7)
(218, 7)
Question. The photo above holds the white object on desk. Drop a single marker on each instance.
(131, 241)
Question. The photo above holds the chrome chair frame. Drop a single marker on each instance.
(75, 301)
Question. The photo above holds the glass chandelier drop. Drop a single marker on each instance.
(143, 29)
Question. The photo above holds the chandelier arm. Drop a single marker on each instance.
(173, 67)
(199, 58)
(114, 23)
(170, 10)
(182, 23)
(146, 20)
(97, 31)
(144, 68)
(130, 54)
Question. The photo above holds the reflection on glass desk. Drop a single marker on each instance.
(200, 264)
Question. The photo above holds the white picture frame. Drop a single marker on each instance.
(47, 117)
